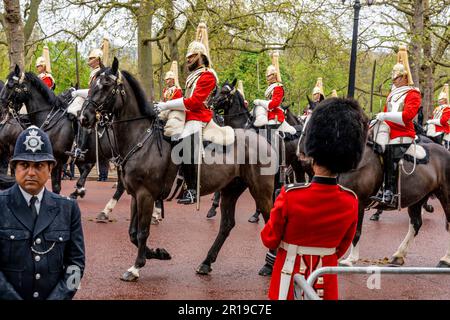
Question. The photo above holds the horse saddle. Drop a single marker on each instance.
(418, 152)
(218, 135)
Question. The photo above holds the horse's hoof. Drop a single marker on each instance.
(73, 195)
(102, 218)
(129, 277)
(204, 269)
(375, 217)
(443, 264)
(211, 213)
(396, 262)
(253, 219)
(428, 207)
(266, 270)
(82, 193)
(154, 221)
(345, 263)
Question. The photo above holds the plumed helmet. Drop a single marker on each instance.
(173, 73)
(105, 51)
(33, 145)
(319, 87)
(240, 88)
(271, 70)
(96, 53)
(401, 68)
(46, 55)
(201, 43)
(336, 134)
(444, 93)
(40, 61)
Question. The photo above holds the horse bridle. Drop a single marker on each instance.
(227, 100)
(116, 90)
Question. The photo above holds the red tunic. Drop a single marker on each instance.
(47, 79)
(274, 109)
(196, 104)
(411, 107)
(170, 94)
(445, 117)
(321, 214)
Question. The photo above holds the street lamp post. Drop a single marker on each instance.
(352, 72)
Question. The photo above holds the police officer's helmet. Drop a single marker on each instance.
(33, 145)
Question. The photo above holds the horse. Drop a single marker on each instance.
(230, 102)
(47, 111)
(432, 177)
(148, 169)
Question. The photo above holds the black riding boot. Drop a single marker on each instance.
(391, 157)
(189, 171)
(81, 135)
(190, 176)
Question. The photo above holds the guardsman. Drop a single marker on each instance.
(200, 87)
(269, 112)
(172, 89)
(317, 97)
(96, 63)
(438, 127)
(394, 130)
(312, 225)
(41, 237)
(43, 67)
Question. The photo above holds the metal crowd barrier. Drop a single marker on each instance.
(303, 286)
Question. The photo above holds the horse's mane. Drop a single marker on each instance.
(42, 88)
(141, 98)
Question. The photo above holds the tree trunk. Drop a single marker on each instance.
(14, 34)
(145, 67)
(416, 27)
(171, 32)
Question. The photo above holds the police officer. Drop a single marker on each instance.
(41, 238)
(314, 224)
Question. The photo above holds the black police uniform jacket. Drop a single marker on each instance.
(44, 260)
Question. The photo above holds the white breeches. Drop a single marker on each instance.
(382, 132)
(192, 127)
(76, 105)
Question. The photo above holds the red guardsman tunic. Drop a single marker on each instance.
(172, 93)
(322, 214)
(406, 100)
(275, 93)
(47, 79)
(443, 114)
(199, 87)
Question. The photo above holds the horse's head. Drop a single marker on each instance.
(223, 100)
(16, 90)
(103, 94)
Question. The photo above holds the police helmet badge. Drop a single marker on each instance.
(33, 141)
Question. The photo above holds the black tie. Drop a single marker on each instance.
(33, 208)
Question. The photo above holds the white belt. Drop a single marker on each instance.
(401, 140)
(292, 251)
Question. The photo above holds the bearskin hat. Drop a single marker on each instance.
(336, 134)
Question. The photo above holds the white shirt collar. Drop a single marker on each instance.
(28, 196)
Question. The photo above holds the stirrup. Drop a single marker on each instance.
(189, 197)
(76, 153)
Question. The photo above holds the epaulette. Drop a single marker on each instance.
(294, 186)
(348, 190)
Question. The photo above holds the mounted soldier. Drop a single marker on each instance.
(394, 130)
(43, 67)
(200, 87)
(269, 112)
(438, 127)
(317, 97)
(96, 63)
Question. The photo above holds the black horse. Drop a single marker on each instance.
(230, 103)
(148, 170)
